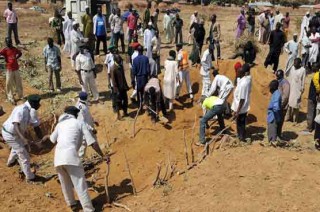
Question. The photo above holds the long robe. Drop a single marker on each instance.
(277, 19)
(67, 28)
(241, 25)
(314, 50)
(147, 37)
(293, 48)
(167, 27)
(304, 26)
(296, 78)
(170, 79)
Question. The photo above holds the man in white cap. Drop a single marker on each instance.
(85, 69)
(167, 26)
(305, 25)
(77, 40)
(193, 19)
(147, 38)
(67, 29)
(292, 48)
(277, 18)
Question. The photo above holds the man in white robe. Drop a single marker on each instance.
(206, 65)
(292, 48)
(305, 25)
(277, 18)
(193, 19)
(314, 50)
(147, 37)
(67, 28)
(167, 26)
(296, 77)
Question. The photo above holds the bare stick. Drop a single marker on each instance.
(132, 182)
(188, 168)
(192, 141)
(135, 118)
(121, 206)
(106, 184)
(158, 174)
(185, 147)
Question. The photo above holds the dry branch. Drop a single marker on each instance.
(134, 122)
(129, 171)
(106, 184)
(185, 147)
(121, 206)
(188, 168)
(158, 174)
(192, 141)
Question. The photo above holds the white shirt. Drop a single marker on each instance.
(220, 81)
(134, 55)
(68, 135)
(116, 24)
(193, 19)
(155, 42)
(84, 62)
(85, 115)
(109, 61)
(305, 42)
(24, 115)
(242, 91)
(206, 63)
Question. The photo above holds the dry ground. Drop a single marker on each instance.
(249, 178)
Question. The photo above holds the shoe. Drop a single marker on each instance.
(191, 96)
(199, 143)
(59, 90)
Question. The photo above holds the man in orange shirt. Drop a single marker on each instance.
(13, 80)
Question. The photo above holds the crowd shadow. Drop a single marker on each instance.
(256, 133)
(116, 192)
(289, 135)
(106, 96)
(251, 119)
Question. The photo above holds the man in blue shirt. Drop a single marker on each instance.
(274, 112)
(100, 30)
(141, 73)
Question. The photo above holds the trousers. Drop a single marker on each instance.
(241, 126)
(13, 84)
(273, 130)
(89, 84)
(206, 84)
(119, 36)
(13, 28)
(73, 177)
(56, 73)
(179, 38)
(185, 76)
(293, 114)
(18, 152)
(217, 110)
(103, 39)
(311, 114)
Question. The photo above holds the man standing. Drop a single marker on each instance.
(286, 24)
(184, 74)
(57, 26)
(117, 29)
(241, 101)
(132, 21)
(113, 13)
(147, 15)
(52, 58)
(68, 135)
(12, 20)
(156, 45)
(251, 21)
(278, 18)
(276, 42)
(148, 35)
(305, 50)
(222, 84)
(14, 130)
(194, 19)
(292, 48)
(87, 22)
(305, 25)
(67, 29)
(120, 87)
(154, 19)
(284, 88)
(206, 65)
(296, 77)
(140, 73)
(214, 36)
(214, 107)
(109, 62)
(85, 69)
(241, 24)
(274, 112)
(264, 27)
(13, 79)
(100, 31)
(314, 49)
(167, 26)
(178, 24)
(271, 22)
(77, 40)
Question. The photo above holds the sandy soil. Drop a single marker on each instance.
(245, 178)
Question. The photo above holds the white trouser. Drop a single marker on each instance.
(18, 152)
(185, 76)
(89, 83)
(13, 84)
(73, 177)
(82, 150)
(206, 84)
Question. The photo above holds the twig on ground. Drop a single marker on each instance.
(192, 141)
(185, 147)
(129, 171)
(158, 174)
(121, 206)
(106, 184)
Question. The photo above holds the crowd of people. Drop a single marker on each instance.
(76, 127)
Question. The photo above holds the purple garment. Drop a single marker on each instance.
(241, 25)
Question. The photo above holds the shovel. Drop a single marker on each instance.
(162, 119)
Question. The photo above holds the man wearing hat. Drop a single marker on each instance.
(184, 75)
(14, 131)
(100, 30)
(85, 69)
(67, 29)
(77, 40)
(68, 135)
(292, 49)
(178, 24)
(13, 80)
(147, 38)
(167, 26)
(305, 25)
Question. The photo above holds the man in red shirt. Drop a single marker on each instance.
(132, 24)
(13, 80)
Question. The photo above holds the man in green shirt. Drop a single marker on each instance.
(56, 25)
(87, 22)
(147, 15)
(214, 107)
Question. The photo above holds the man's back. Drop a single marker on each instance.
(141, 66)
